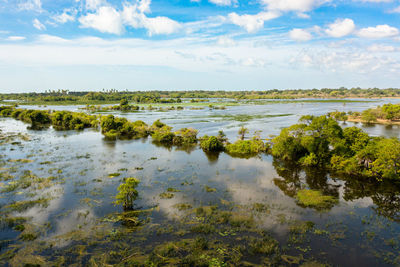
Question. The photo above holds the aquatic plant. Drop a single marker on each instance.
(315, 199)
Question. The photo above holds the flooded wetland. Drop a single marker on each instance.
(62, 197)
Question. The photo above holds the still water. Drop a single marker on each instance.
(244, 209)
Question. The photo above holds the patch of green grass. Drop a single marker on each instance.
(166, 195)
(113, 175)
(209, 189)
(315, 199)
(170, 189)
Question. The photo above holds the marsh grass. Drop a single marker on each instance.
(315, 199)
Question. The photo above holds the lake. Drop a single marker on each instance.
(58, 190)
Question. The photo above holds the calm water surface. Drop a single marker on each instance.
(79, 221)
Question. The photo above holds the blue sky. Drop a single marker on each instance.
(198, 44)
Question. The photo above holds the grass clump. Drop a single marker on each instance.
(315, 199)
(166, 195)
(209, 189)
(246, 148)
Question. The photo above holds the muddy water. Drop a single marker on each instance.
(76, 176)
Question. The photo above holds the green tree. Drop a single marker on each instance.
(127, 193)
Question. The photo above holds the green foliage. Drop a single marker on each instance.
(114, 127)
(320, 141)
(65, 120)
(163, 135)
(185, 136)
(246, 148)
(391, 112)
(338, 116)
(211, 144)
(315, 199)
(369, 116)
(127, 193)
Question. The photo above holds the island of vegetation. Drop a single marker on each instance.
(315, 141)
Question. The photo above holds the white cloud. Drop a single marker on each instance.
(252, 23)
(292, 5)
(134, 16)
(106, 19)
(160, 25)
(381, 48)
(33, 5)
(344, 61)
(94, 4)
(340, 28)
(38, 25)
(300, 35)
(223, 2)
(66, 16)
(51, 39)
(16, 38)
(225, 41)
(109, 20)
(380, 31)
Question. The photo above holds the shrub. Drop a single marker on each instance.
(127, 193)
(211, 144)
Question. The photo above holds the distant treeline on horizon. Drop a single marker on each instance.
(156, 95)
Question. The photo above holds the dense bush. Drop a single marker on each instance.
(65, 120)
(114, 127)
(320, 141)
(185, 136)
(211, 144)
(246, 148)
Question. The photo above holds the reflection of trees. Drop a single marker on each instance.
(385, 195)
(189, 148)
(212, 156)
(294, 178)
(290, 173)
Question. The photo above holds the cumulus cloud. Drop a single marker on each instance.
(106, 19)
(38, 25)
(134, 16)
(300, 35)
(252, 23)
(341, 28)
(160, 25)
(380, 31)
